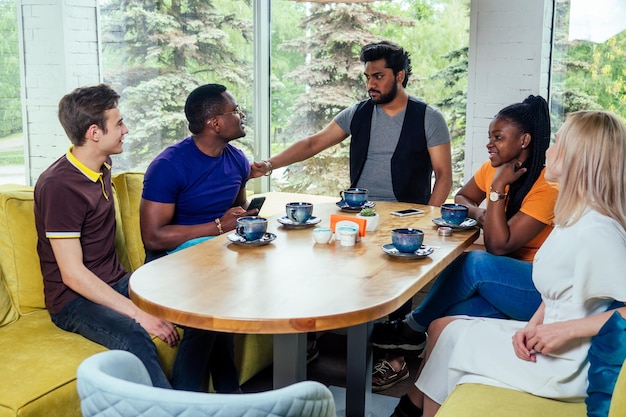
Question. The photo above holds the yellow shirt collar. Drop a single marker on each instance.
(89, 173)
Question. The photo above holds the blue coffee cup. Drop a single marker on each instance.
(299, 212)
(454, 213)
(407, 240)
(251, 227)
(354, 197)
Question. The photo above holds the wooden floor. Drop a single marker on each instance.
(330, 368)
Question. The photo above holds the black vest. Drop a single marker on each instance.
(411, 168)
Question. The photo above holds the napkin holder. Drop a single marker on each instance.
(362, 223)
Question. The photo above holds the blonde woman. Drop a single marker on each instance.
(579, 272)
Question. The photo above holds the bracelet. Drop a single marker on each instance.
(269, 165)
(219, 226)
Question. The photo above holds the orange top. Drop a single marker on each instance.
(538, 204)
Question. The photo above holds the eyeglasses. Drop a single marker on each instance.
(236, 111)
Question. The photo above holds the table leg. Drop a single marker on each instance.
(359, 363)
(289, 359)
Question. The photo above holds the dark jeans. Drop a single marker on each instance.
(118, 331)
(113, 330)
(203, 351)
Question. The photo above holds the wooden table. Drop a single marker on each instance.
(293, 286)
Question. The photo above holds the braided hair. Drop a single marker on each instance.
(533, 117)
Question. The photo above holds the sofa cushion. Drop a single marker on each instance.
(38, 372)
(18, 248)
(128, 187)
(38, 359)
(7, 312)
(476, 400)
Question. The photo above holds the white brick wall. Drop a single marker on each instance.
(59, 46)
(509, 57)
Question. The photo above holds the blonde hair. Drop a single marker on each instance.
(592, 148)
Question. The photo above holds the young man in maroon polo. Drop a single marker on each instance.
(85, 286)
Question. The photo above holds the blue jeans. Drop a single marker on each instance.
(117, 331)
(113, 330)
(479, 284)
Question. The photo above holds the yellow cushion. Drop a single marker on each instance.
(253, 353)
(7, 312)
(476, 400)
(128, 188)
(618, 401)
(18, 248)
(40, 359)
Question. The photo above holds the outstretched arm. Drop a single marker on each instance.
(331, 135)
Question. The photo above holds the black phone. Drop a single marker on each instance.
(256, 203)
(407, 212)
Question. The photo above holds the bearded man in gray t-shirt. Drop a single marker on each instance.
(395, 158)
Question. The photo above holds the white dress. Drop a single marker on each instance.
(579, 271)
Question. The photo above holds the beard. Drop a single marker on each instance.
(386, 98)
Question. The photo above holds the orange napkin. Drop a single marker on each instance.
(334, 218)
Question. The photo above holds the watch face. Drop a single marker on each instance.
(493, 196)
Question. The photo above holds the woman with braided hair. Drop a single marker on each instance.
(517, 219)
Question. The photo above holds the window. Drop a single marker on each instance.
(589, 57)
(155, 53)
(12, 169)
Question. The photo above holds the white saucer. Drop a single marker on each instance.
(290, 224)
(422, 252)
(240, 240)
(468, 223)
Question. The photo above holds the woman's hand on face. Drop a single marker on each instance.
(507, 174)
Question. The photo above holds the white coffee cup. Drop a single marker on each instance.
(322, 234)
(347, 235)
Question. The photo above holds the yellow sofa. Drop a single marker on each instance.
(39, 360)
(477, 400)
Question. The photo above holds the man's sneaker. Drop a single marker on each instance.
(391, 335)
(385, 377)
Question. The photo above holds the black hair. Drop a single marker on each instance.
(396, 57)
(83, 107)
(532, 116)
(204, 103)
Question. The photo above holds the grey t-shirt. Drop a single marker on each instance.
(384, 137)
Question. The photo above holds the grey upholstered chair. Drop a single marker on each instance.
(115, 383)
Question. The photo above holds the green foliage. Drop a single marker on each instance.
(587, 75)
(368, 212)
(157, 52)
(332, 74)
(10, 103)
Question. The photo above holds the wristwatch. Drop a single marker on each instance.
(496, 196)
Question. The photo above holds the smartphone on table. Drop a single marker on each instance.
(407, 212)
(256, 203)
